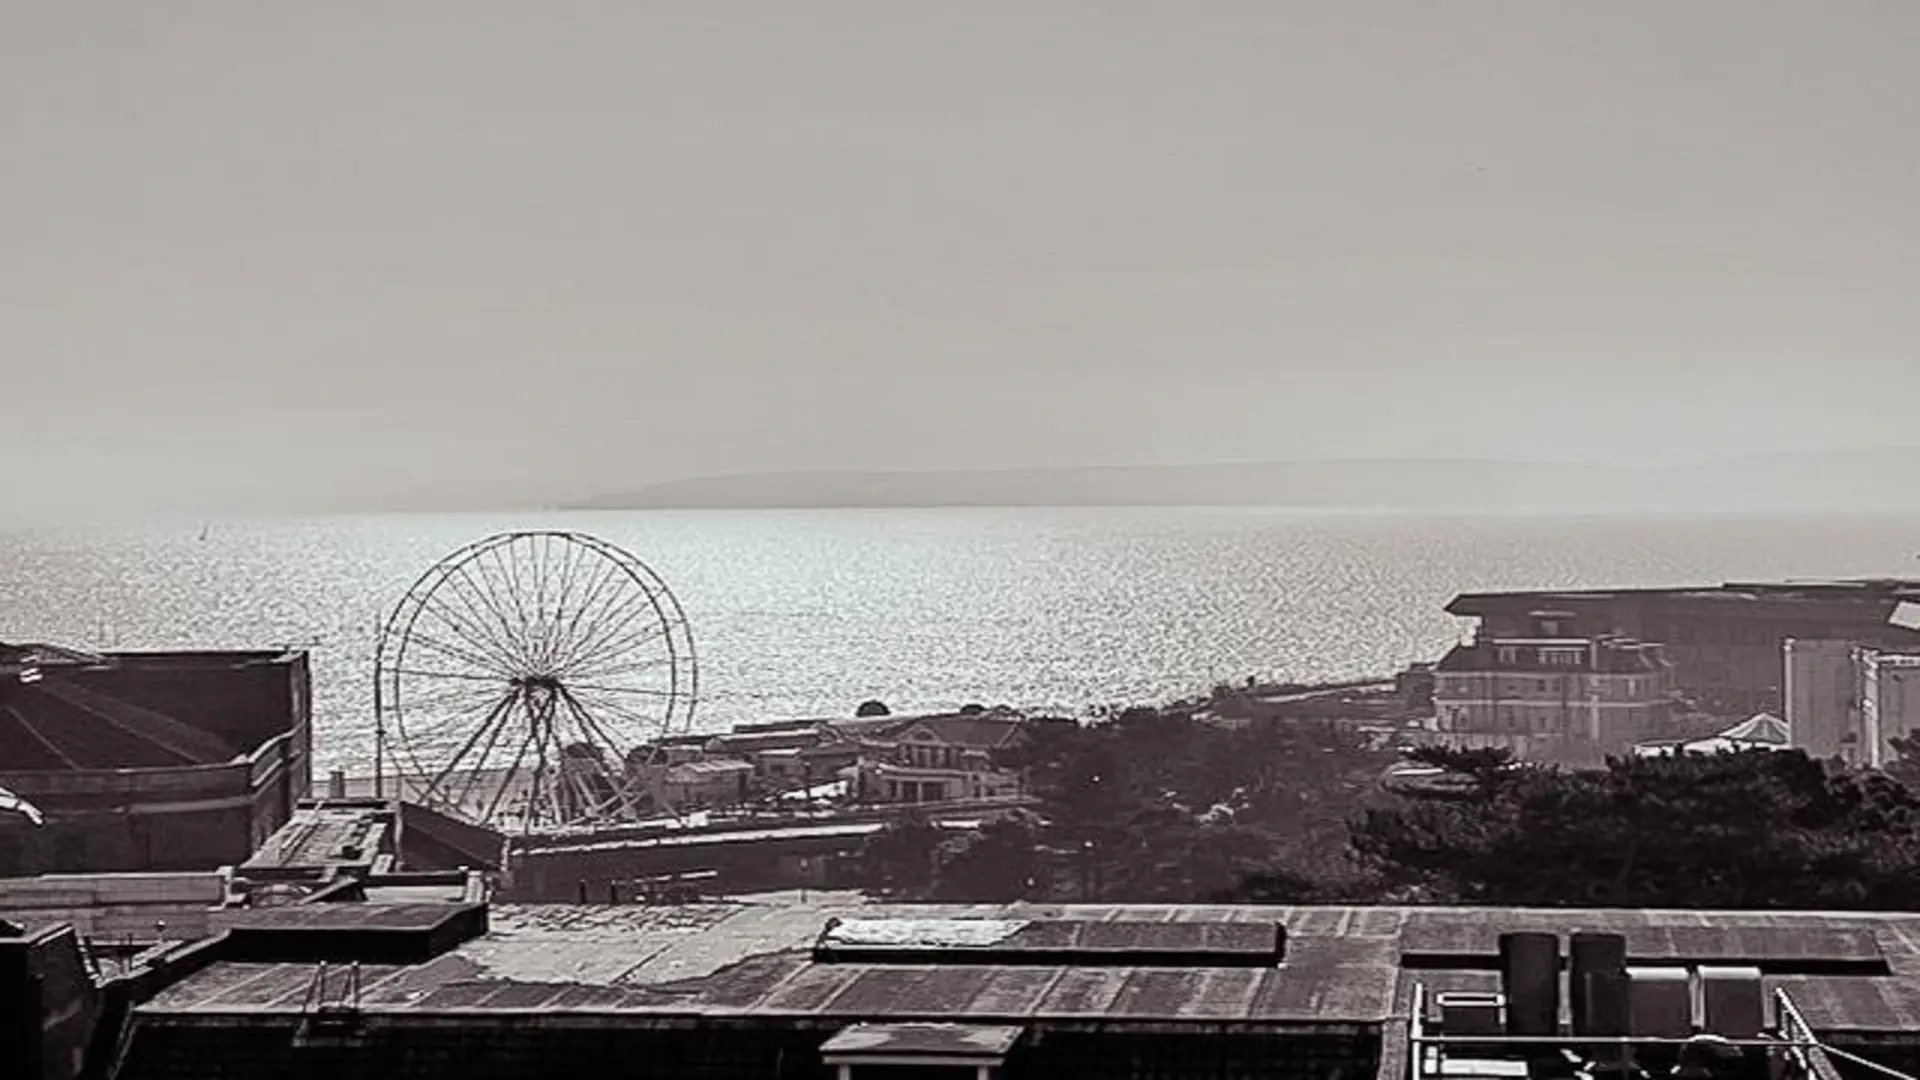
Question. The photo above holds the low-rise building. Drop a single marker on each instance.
(709, 784)
(1573, 699)
(138, 762)
(838, 988)
(939, 759)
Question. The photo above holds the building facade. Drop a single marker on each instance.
(1553, 698)
(1724, 641)
(1851, 702)
(149, 761)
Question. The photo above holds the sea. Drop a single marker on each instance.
(806, 614)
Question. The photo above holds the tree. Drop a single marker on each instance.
(1754, 829)
(1906, 767)
(1157, 806)
(899, 859)
(872, 708)
(998, 864)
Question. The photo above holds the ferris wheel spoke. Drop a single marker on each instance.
(452, 764)
(452, 693)
(464, 676)
(631, 717)
(514, 590)
(506, 781)
(614, 621)
(551, 615)
(426, 625)
(488, 616)
(619, 662)
(609, 648)
(487, 613)
(582, 587)
(608, 574)
(642, 691)
(475, 653)
(542, 596)
(440, 728)
(429, 721)
(447, 695)
(618, 667)
(590, 728)
(478, 769)
(595, 734)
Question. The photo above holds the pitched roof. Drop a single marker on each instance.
(981, 732)
(1759, 728)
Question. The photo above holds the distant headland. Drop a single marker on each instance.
(1854, 481)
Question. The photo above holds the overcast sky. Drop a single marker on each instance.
(442, 251)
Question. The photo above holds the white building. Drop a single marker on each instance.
(1850, 701)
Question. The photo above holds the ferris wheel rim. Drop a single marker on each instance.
(519, 679)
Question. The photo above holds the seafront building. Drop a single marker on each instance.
(1725, 641)
(936, 758)
(1572, 700)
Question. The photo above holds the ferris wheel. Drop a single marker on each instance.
(520, 681)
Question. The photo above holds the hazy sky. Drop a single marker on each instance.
(440, 251)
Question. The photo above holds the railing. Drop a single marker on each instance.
(1819, 1061)
(322, 1016)
(1792, 1038)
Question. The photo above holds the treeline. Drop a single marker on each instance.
(1156, 808)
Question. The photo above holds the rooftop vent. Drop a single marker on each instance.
(1438, 945)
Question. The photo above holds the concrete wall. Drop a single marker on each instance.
(1822, 704)
(1889, 696)
(183, 818)
(115, 905)
(245, 698)
(48, 1006)
(189, 818)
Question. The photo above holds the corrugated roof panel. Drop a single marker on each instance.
(910, 991)
(1084, 992)
(530, 996)
(1156, 993)
(746, 984)
(1225, 993)
(459, 995)
(810, 989)
(1014, 991)
(208, 985)
(589, 997)
(1338, 993)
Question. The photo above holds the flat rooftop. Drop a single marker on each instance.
(1343, 967)
(1882, 591)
